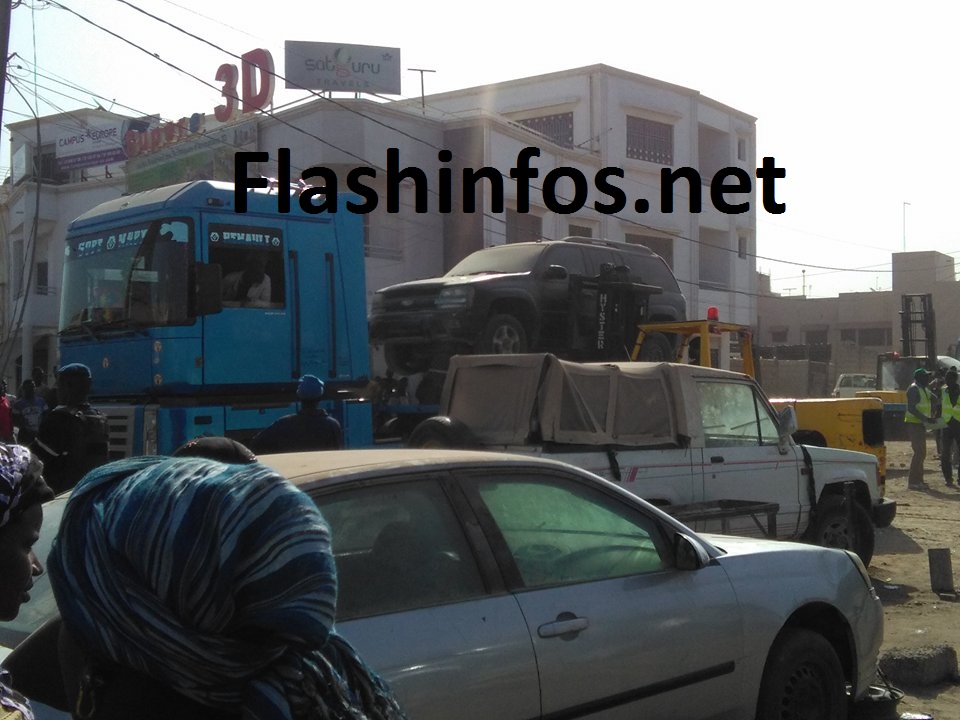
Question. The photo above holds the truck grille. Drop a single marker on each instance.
(120, 418)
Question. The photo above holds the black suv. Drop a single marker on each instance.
(523, 297)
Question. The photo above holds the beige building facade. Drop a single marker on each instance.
(858, 326)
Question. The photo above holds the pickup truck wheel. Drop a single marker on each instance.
(832, 528)
(503, 334)
(802, 680)
(656, 348)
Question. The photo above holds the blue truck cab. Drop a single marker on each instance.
(196, 319)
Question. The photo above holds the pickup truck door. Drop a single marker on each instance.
(743, 458)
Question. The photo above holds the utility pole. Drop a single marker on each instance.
(905, 203)
(423, 102)
(6, 10)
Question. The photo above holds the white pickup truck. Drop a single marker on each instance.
(702, 443)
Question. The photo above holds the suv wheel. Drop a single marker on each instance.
(503, 334)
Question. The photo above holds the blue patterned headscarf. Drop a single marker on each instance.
(21, 483)
(217, 580)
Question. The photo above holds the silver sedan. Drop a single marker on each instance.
(483, 585)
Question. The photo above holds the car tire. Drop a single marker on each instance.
(832, 528)
(441, 432)
(803, 678)
(656, 348)
(405, 359)
(503, 333)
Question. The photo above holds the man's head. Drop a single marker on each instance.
(921, 376)
(28, 389)
(222, 449)
(310, 389)
(73, 384)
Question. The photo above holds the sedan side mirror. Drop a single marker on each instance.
(688, 553)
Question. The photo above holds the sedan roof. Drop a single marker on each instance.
(302, 468)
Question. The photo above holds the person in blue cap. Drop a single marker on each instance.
(310, 428)
(74, 437)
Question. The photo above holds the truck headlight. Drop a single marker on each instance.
(459, 296)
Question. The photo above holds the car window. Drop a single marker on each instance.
(398, 547)
(601, 256)
(651, 270)
(558, 531)
(569, 257)
(733, 415)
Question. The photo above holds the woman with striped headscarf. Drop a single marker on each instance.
(215, 581)
(22, 492)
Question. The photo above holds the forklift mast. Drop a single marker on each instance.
(918, 327)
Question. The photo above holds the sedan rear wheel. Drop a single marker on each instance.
(803, 680)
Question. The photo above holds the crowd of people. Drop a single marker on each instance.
(226, 613)
(933, 406)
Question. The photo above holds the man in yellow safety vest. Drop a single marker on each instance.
(918, 416)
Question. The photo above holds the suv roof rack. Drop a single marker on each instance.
(602, 243)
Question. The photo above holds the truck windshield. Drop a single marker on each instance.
(128, 276)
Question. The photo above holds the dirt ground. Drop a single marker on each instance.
(914, 615)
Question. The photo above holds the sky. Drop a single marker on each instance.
(856, 100)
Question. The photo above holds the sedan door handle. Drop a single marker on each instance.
(565, 624)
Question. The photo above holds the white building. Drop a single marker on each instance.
(585, 119)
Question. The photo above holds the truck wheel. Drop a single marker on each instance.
(832, 528)
(441, 432)
(656, 348)
(503, 334)
(405, 359)
(803, 679)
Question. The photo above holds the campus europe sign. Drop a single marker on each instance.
(96, 143)
(345, 68)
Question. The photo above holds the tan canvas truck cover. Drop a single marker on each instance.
(515, 399)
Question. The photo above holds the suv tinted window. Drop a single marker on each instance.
(568, 256)
(652, 270)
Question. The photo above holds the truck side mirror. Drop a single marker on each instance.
(206, 296)
(787, 421)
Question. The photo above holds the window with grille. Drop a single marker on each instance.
(649, 140)
(579, 231)
(522, 227)
(742, 246)
(41, 282)
(778, 336)
(558, 128)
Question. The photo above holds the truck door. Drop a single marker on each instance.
(742, 458)
(249, 342)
